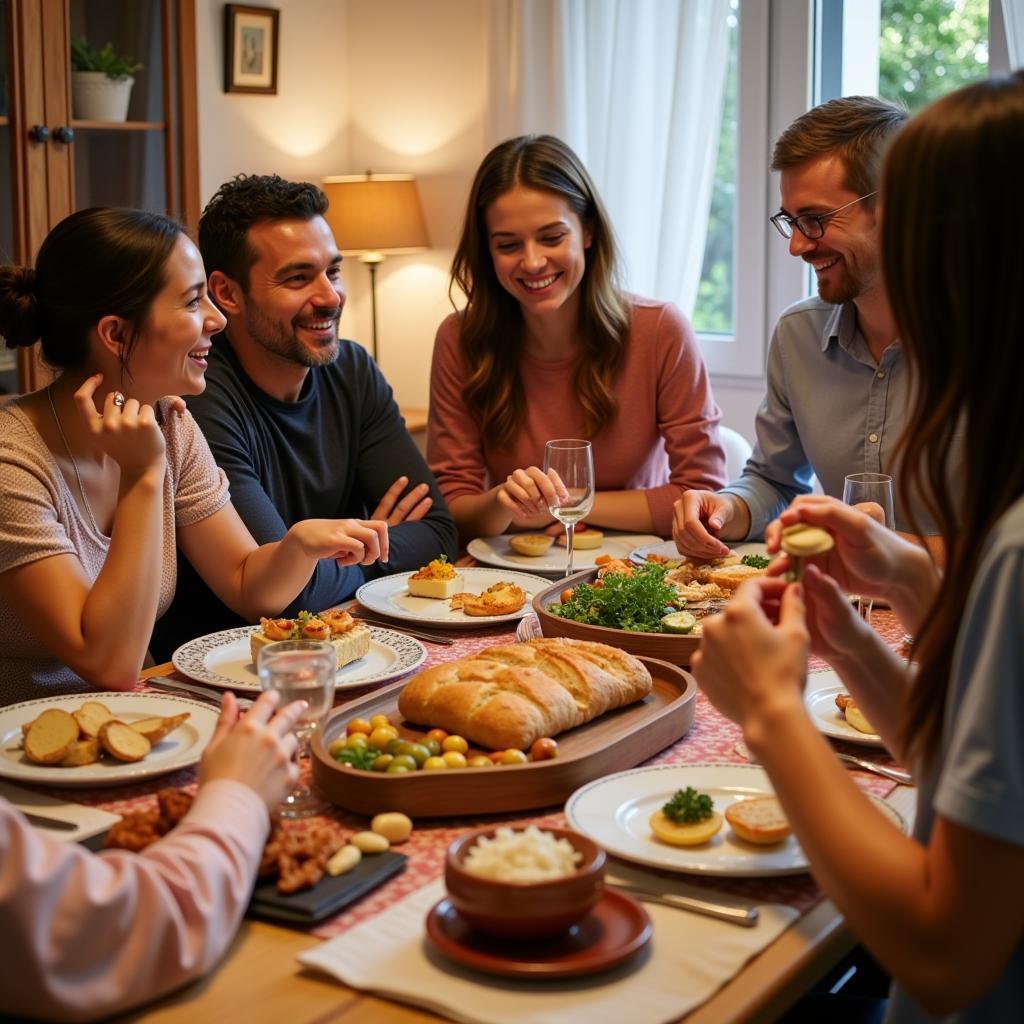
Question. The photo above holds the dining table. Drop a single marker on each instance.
(260, 978)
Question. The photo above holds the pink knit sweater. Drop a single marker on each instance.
(663, 441)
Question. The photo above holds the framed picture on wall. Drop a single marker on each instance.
(250, 49)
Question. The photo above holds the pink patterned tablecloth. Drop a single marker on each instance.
(712, 738)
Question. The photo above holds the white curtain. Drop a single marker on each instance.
(635, 87)
(1013, 19)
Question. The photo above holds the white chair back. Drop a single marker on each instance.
(737, 451)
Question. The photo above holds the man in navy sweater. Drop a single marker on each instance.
(303, 423)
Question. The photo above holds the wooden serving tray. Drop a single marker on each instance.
(675, 647)
(617, 740)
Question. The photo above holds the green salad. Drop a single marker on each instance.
(637, 603)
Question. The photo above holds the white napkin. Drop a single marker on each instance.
(90, 820)
(689, 958)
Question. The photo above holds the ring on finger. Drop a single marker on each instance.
(119, 399)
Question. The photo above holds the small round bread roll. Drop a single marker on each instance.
(532, 544)
(759, 820)
(806, 541)
(585, 540)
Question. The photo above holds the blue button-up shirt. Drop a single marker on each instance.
(830, 410)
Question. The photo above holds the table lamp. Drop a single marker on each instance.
(372, 216)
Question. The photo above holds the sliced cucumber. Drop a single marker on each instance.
(678, 622)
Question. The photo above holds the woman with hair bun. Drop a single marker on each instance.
(549, 346)
(104, 470)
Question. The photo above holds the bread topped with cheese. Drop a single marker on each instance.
(509, 695)
(502, 598)
(349, 638)
(437, 579)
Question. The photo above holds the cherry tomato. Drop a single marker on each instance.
(543, 749)
(566, 596)
(495, 756)
(357, 739)
(454, 759)
(456, 743)
(433, 764)
(512, 757)
(381, 734)
(402, 761)
(359, 725)
(382, 762)
(437, 734)
(479, 761)
(337, 746)
(377, 721)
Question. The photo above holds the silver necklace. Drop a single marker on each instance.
(74, 465)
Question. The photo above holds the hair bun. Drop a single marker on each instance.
(19, 307)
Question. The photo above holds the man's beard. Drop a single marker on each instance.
(269, 333)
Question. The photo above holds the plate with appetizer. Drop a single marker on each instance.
(453, 597)
(666, 551)
(539, 552)
(651, 608)
(835, 712)
(366, 654)
(703, 819)
(102, 739)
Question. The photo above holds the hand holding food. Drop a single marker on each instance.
(801, 542)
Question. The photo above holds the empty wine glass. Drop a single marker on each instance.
(301, 670)
(573, 463)
(870, 487)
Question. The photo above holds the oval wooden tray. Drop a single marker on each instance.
(674, 647)
(617, 740)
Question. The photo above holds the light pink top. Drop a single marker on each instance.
(664, 439)
(86, 935)
(39, 518)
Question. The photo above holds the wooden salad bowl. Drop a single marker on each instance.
(616, 740)
(674, 647)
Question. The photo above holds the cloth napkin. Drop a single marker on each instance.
(90, 820)
(689, 958)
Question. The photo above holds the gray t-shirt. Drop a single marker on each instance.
(977, 779)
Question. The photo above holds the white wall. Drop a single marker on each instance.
(387, 86)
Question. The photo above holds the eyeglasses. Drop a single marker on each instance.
(811, 225)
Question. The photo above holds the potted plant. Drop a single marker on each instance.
(101, 82)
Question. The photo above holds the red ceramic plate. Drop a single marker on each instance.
(616, 929)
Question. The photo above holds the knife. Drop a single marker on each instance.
(724, 911)
(43, 821)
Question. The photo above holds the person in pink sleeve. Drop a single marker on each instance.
(87, 935)
(104, 471)
(549, 346)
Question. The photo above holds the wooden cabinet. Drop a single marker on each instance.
(52, 163)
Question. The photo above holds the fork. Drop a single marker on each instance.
(895, 774)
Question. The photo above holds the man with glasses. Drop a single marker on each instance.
(837, 384)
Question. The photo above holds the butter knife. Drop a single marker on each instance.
(733, 913)
(44, 821)
(398, 627)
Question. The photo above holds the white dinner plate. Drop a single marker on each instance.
(389, 595)
(178, 749)
(497, 551)
(820, 701)
(668, 549)
(614, 812)
(224, 659)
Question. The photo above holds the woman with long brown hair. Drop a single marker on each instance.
(937, 909)
(549, 346)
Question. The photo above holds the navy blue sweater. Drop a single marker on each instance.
(330, 455)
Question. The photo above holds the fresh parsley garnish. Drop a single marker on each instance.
(636, 602)
(358, 757)
(755, 561)
(688, 806)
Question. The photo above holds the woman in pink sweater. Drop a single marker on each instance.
(549, 346)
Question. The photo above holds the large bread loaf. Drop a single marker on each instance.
(510, 695)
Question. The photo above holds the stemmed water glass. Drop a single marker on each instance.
(572, 461)
(301, 670)
(877, 488)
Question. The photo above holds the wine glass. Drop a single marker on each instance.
(301, 670)
(573, 464)
(877, 488)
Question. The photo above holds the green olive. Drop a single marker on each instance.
(398, 769)
(382, 762)
(394, 746)
(406, 761)
(432, 745)
(417, 751)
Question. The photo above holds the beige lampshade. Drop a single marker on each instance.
(378, 213)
